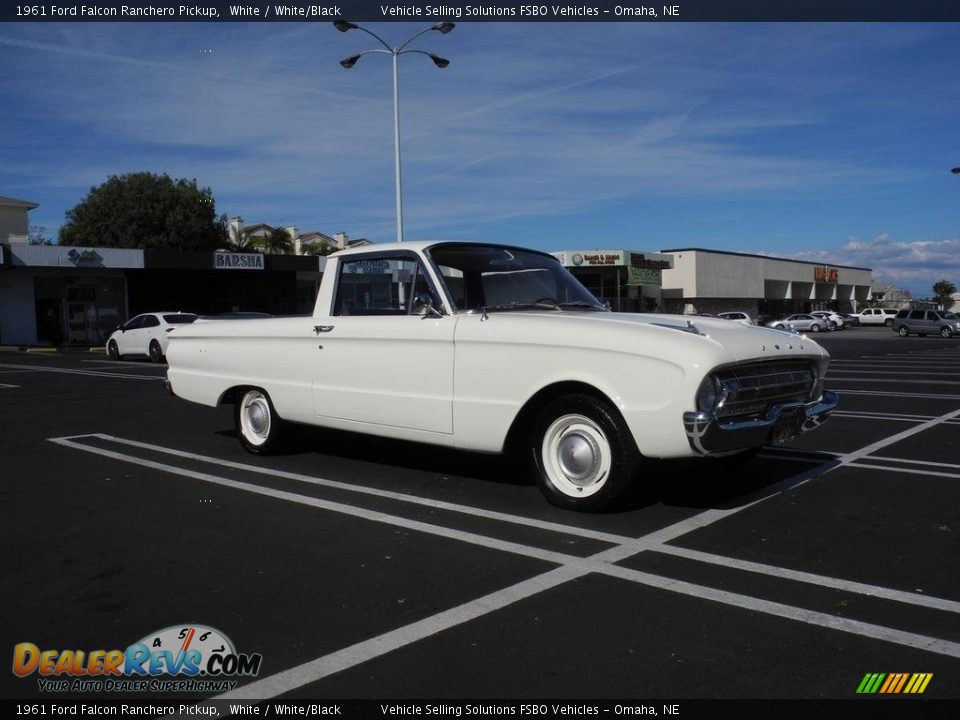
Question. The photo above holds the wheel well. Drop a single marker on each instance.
(233, 394)
(528, 413)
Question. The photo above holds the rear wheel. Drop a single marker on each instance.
(903, 331)
(113, 352)
(814, 328)
(259, 428)
(582, 453)
(156, 354)
(888, 322)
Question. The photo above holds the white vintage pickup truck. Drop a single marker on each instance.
(487, 348)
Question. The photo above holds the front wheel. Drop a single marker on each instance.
(888, 322)
(113, 352)
(583, 455)
(259, 428)
(903, 331)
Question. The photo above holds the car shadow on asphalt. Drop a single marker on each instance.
(695, 483)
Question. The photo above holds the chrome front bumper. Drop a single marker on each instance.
(708, 434)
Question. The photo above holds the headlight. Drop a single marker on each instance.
(710, 395)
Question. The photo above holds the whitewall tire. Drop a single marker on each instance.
(584, 457)
(259, 428)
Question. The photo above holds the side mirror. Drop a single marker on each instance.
(424, 301)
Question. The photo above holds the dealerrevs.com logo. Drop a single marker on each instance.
(180, 658)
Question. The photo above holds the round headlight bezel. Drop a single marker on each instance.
(710, 395)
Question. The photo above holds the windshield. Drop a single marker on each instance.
(499, 278)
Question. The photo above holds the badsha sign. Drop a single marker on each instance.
(238, 261)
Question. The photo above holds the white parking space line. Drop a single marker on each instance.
(885, 458)
(870, 413)
(910, 471)
(871, 380)
(639, 545)
(572, 565)
(870, 373)
(896, 363)
(926, 396)
(375, 492)
(900, 596)
(68, 371)
(7, 386)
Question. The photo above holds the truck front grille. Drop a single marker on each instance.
(753, 388)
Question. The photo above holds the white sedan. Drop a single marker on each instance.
(490, 348)
(146, 334)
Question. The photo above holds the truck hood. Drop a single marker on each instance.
(729, 341)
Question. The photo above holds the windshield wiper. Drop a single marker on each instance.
(583, 304)
(518, 306)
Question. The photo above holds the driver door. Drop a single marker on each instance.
(383, 357)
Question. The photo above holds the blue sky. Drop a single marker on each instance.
(823, 141)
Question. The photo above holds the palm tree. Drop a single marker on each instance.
(942, 290)
(278, 242)
(241, 240)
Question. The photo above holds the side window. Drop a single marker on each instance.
(150, 321)
(456, 285)
(375, 286)
(916, 315)
(134, 324)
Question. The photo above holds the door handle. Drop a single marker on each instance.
(317, 329)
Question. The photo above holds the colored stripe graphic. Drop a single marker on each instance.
(894, 683)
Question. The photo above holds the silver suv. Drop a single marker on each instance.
(927, 322)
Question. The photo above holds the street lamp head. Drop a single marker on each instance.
(349, 62)
(343, 25)
(439, 61)
(444, 27)
(955, 171)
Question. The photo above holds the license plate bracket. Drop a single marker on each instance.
(787, 425)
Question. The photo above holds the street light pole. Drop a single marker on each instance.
(396, 52)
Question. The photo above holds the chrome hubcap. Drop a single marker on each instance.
(578, 456)
(255, 417)
(258, 418)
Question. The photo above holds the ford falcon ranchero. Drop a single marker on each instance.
(490, 348)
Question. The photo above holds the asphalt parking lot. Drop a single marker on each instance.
(363, 568)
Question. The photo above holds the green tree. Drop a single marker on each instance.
(144, 210)
(942, 290)
(241, 240)
(278, 242)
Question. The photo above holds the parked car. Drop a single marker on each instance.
(850, 321)
(927, 322)
(877, 316)
(833, 320)
(801, 322)
(146, 334)
(741, 317)
(492, 348)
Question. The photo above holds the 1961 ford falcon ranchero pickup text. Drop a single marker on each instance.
(486, 348)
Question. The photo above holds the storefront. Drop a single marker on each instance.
(714, 281)
(69, 296)
(630, 281)
(52, 295)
